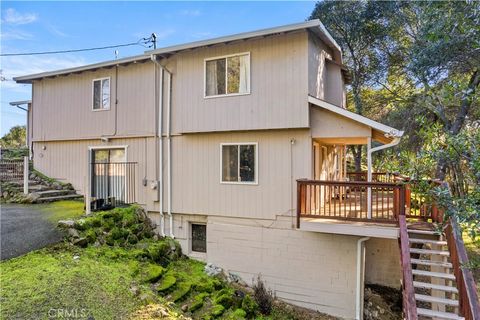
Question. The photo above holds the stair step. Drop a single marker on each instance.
(431, 232)
(439, 287)
(432, 263)
(57, 198)
(52, 193)
(438, 314)
(426, 251)
(433, 274)
(450, 302)
(426, 241)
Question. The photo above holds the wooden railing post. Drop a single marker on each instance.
(299, 202)
(25, 175)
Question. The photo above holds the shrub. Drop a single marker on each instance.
(167, 282)
(153, 272)
(263, 297)
(182, 290)
(249, 305)
(198, 301)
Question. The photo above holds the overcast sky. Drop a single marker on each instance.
(48, 26)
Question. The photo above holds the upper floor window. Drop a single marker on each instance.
(239, 163)
(228, 75)
(101, 94)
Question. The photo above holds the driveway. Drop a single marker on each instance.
(24, 228)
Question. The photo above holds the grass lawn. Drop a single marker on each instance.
(62, 210)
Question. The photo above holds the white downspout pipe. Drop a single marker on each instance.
(160, 150)
(371, 150)
(360, 276)
(169, 154)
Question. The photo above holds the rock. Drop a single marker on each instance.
(6, 195)
(134, 290)
(57, 186)
(73, 233)
(212, 270)
(81, 242)
(185, 308)
(32, 197)
(76, 257)
(32, 176)
(234, 278)
(66, 223)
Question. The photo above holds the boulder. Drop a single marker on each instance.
(80, 242)
(212, 270)
(32, 197)
(73, 233)
(66, 223)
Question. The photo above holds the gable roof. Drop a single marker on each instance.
(314, 26)
(380, 132)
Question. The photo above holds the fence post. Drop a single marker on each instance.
(88, 185)
(25, 175)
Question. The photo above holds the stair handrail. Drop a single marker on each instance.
(409, 303)
(467, 291)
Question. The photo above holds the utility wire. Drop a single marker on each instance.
(142, 42)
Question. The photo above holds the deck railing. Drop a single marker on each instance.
(348, 200)
(467, 293)
(376, 176)
(114, 183)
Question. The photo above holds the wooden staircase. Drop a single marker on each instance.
(436, 293)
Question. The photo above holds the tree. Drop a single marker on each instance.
(15, 138)
(359, 27)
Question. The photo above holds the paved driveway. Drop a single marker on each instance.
(24, 228)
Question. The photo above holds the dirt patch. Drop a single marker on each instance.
(382, 303)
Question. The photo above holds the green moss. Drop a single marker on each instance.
(238, 314)
(217, 310)
(249, 305)
(182, 289)
(198, 301)
(153, 272)
(224, 297)
(167, 282)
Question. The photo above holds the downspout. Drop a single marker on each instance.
(370, 150)
(360, 275)
(169, 154)
(160, 148)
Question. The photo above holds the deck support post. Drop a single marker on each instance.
(369, 177)
(89, 184)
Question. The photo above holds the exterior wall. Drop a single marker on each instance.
(63, 106)
(326, 124)
(68, 161)
(334, 91)
(382, 262)
(196, 180)
(278, 87)
(309, 269)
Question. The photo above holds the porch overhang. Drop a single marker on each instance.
(377, 131)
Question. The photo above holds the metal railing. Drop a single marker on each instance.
(114, 183)
(11, 170)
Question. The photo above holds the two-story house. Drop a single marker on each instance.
(210, 137)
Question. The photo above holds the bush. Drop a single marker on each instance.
(263, 297)
(153, 272)
(167, 282)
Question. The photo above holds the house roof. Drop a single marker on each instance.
(314, 26)
(380, 132)
(19, 103)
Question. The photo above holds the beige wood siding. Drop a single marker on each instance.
(196, 174)
(67, 161)
(317, 72)
(278, 88)
(326, 124)
(63, 105)
(334, 84)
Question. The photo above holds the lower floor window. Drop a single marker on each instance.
(239, 162)
(199, 237)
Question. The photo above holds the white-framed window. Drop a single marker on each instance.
(239, 163)
(101, 94)
(227, 75)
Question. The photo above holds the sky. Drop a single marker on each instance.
(50, 26)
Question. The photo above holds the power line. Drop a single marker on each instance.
(142, 42)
